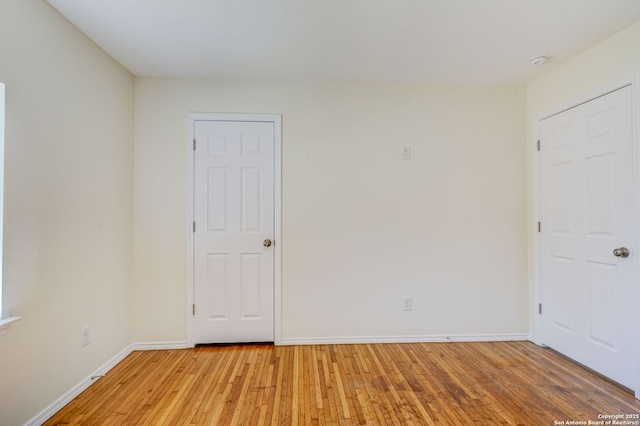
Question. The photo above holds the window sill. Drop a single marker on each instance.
(5, 324)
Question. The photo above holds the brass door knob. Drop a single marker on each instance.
(267, 243)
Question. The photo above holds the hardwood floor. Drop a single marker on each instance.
(503, 383)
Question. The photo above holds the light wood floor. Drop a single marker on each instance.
(510, 383)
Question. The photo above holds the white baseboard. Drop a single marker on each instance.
(78, 389)
(83, 385)
(402, 339)
(158, 346)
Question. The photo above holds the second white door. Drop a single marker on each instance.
(588, 286)
(234, 231)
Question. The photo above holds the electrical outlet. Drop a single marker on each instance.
(85, 335)
(407, 303)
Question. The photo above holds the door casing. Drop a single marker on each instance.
(276, 119)
(535, 294)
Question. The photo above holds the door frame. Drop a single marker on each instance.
(276, 119)
(535, 294)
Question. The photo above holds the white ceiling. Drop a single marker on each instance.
(430, 41)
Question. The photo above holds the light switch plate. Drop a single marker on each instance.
(406, 152)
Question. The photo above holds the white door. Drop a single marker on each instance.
(234, 231)
(588, 293)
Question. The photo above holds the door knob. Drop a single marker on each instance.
(267, 243)
(621, 252)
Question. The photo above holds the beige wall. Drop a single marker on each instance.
(68, 207)
(615, 59)
(361, 227)
(599, 69)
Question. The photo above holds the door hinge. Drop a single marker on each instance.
(194, 144)
(538, 144)
(193, 308)
(194, 226)
(540, 308)
(539, 227)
